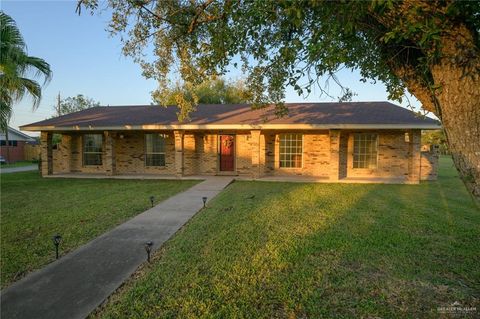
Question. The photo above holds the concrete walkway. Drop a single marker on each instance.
(77, 283)
(18, 169)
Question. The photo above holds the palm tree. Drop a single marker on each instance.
(18, 70)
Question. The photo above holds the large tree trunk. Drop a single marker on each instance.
(458, 102)
(452, 89)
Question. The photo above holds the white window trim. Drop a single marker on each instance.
(279, 153)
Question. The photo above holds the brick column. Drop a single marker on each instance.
(46, 153)
(269, 153)
(256, 158)
(179, 150)
(198, 154)
(414, 157)
(110, 161)
(334, 170)
(66, 153)
(76, 157)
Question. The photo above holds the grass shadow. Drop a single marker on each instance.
(292, 250)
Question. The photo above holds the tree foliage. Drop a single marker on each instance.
(215, 91)
(15, 68)
(74, 104)
(428, 47)
(281, 42)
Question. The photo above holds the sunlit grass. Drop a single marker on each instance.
(288, 250)
(34, 209)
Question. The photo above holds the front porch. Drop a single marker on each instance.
(266, 155)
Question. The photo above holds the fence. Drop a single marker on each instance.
(31, 152)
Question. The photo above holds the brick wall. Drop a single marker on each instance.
(127, 150)
(243, 153)
(329, 155)
(68, 157)
(393, 155)
(62, 155)
(201, 153)
(130, 154)
(315, 159)
(414, 156)
(343, 157)
(429, 163)
(326, 154)
(46, 154)
(193, 148)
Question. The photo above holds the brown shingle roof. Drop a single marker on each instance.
(316, 114)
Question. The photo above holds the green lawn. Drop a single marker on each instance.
(34, 209)
(290, 250)
(18, 164)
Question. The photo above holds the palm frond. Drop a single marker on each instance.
(9, 33)
(15, 68)
(31, 87)
(5, 109)
(39, 66)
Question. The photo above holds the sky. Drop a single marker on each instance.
(85, 59)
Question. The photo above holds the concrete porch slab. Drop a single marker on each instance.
(205, 186)
(309, 179)
(125, 176)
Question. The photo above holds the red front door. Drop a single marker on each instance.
(227, 153)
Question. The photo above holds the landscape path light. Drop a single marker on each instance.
(56, 241)
(204, 199)
(152, 199)
(148, 249)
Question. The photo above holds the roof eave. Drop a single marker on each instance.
(23, 137)
(425, 126)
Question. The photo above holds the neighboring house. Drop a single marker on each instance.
(347, 142)
(15, 150)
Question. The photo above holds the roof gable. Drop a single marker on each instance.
(15, 135)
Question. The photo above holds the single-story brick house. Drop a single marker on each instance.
(337, 142)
